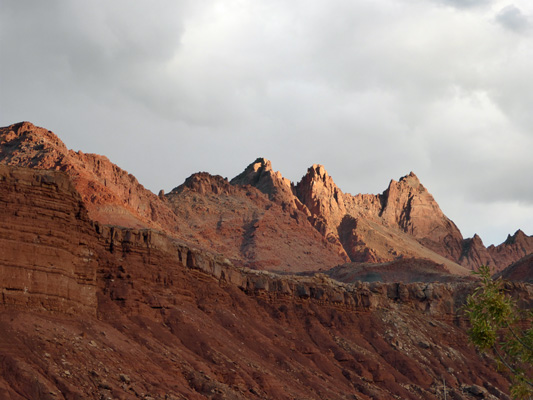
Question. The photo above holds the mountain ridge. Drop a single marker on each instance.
(361, 228)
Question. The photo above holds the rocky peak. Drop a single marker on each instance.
(477, 239)
(474, 253)
(319, 193)
(411, 179)
(26, 144)
(513, 249)
(203, 183)
(518, 237)
(279, 189)
(410, 206)
(111, 195)
(261, 175)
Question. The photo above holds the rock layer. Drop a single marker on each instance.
(47, 243)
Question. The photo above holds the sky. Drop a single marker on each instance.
(371, 89)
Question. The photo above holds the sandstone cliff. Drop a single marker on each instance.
(47, 245)
(270, 231)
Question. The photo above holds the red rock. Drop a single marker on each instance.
(47, 244)
(513, 249)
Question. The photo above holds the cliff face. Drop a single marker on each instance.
(160, 319)
(47, 243)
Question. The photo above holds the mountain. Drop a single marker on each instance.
(379, 228)
(261, 220)
(92, 311)
(109, 291)
(244, 225)
(499, 257)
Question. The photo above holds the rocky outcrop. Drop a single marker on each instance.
(261, 175)
(513, 249)
(325, 201)
(475, 253)
(47, 243)
(408, 205)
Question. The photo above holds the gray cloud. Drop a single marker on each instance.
(512, 18)
(466, 3)
(372, 90)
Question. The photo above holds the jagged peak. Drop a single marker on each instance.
(261, 175)
(27, 132)
(252, 173)
(203, 182)
(477, 239)
(518, 236)
(318, 170)
(261, 163)
(411, 179)
(519, 233)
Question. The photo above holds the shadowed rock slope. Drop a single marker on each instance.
(520, 271)
(405, 270)
(159, 319)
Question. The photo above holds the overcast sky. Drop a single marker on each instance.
(372, 89)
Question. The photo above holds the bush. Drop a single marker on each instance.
(498, 326)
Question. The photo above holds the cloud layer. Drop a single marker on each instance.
(371, 89)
